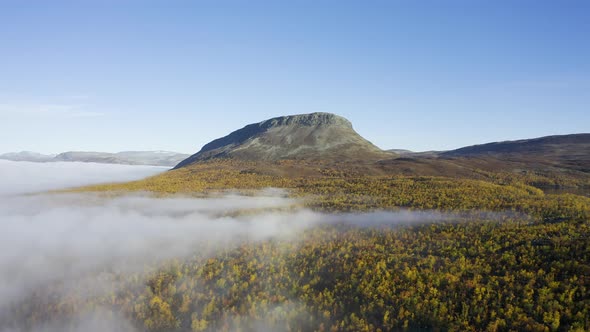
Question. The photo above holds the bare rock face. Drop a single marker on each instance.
(315, 136)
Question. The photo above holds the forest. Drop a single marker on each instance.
(509, 258)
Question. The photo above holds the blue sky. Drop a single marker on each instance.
(173, 75)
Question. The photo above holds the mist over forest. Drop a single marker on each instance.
(87, 241)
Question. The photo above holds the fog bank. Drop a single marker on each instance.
(18, 177)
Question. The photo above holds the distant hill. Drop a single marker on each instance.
(564, 145)
(27, 156)
(568, 151)
(155, 158)
(556, 158)
(315, 136)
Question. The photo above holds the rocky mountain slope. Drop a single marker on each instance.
(315, 136)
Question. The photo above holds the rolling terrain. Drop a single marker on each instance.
(462, 240)
(568, 152)
(566, 156)
(314, 155)
(310, 144)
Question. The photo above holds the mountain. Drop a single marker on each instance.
(314, 136)
(565, 151)
(27, 156)
(155, 158)
(90, 157)
(545, 161)
(563, 145)
(322, 140)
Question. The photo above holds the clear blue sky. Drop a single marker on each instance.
(420, 75)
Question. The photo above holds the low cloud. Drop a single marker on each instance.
(99, 320)
(84, 240)
(19, 177)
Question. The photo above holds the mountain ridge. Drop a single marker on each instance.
(324, 139)
(521, 145)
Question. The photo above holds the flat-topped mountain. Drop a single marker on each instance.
(155, 158)
(315, 136)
